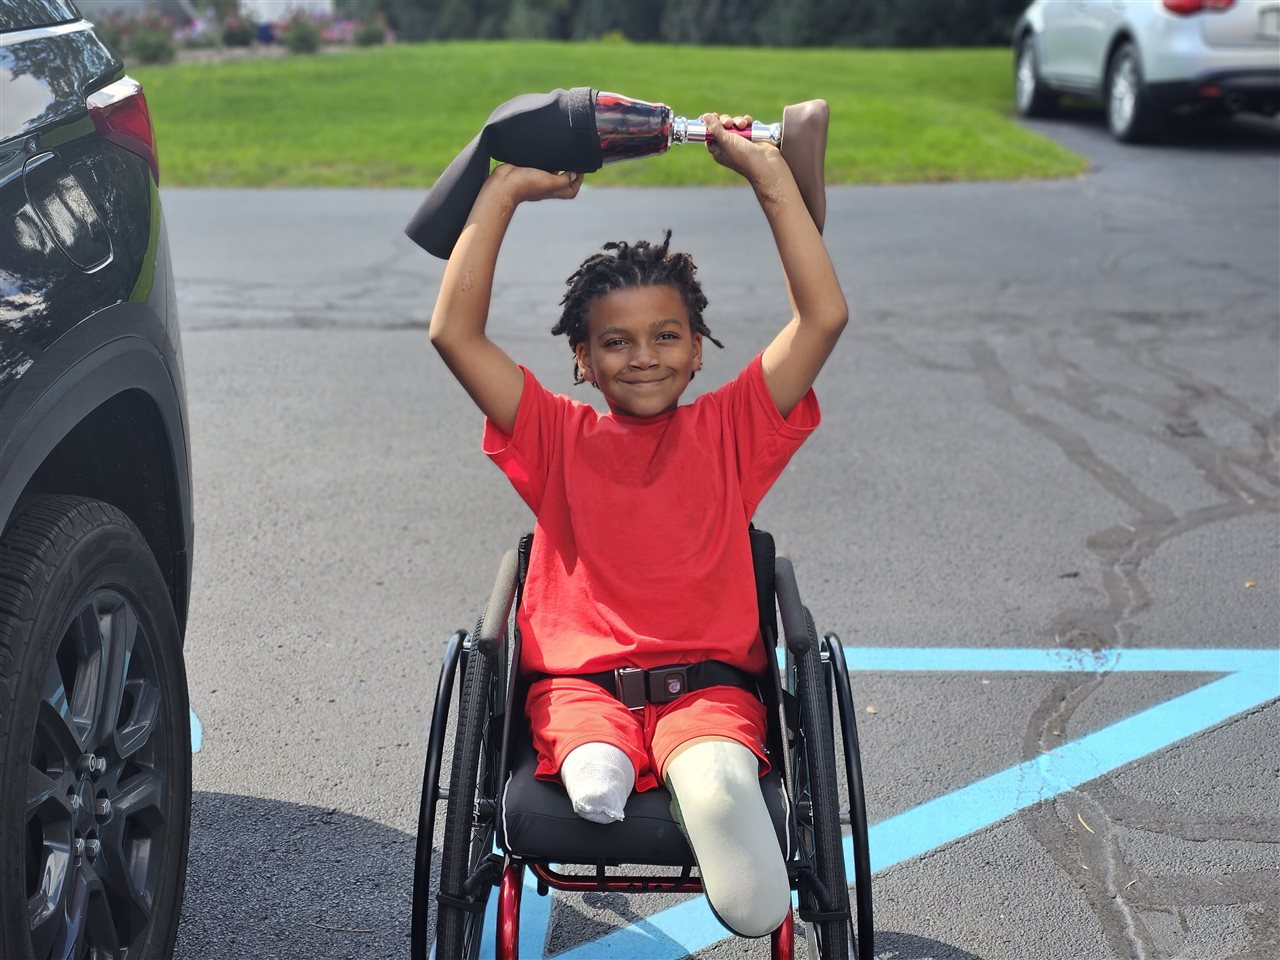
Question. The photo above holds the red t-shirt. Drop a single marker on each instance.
(640, 552)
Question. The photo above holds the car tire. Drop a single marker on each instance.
(95, 738)
(1033, 98)
(1131, 117)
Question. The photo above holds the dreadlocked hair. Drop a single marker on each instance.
(622, 266)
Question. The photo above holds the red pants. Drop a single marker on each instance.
(565, 712)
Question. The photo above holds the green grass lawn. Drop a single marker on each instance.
(396, 116)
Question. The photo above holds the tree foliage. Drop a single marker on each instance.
(789, 23)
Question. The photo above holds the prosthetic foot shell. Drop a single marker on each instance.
(804, 147)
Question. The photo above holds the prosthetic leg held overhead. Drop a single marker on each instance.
(581, 130)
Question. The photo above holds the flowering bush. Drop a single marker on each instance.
(341, 30)
(199, 34)
(300, 34)
(156, 39)
(371, 32)
(238, 31)
(146, 40)
(111, 31)
(152, 41)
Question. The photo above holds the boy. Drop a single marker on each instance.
(641, 557)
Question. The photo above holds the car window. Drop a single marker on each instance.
(25, 14)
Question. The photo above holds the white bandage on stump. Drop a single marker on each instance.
(599, 778)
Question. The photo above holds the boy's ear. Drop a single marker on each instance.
(584, 361)
(697, 351)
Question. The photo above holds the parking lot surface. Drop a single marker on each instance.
(1041, 509)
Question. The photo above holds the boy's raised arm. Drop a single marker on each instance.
(792, 361)
(462, 309)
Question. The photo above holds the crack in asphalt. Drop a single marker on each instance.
(1121, 550)
(1081, 829)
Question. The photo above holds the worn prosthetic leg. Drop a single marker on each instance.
(715, 788)
(598, 777)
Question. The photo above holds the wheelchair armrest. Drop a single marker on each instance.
(491, 631)
(797, 625)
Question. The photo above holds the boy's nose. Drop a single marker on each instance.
(643, 356)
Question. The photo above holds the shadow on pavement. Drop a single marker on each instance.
(280, 881)
(1245, 133)
(907, 946)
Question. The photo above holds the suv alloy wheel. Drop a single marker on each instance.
(95, 770)
(1129, 115)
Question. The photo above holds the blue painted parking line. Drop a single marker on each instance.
(964, 811)
(1031, 660)
(197, 733)
(1252, 678)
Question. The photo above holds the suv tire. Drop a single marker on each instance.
(1130, 114)
(95, 738)
(1033, 98)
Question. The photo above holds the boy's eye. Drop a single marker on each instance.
(668, 336)
(615, 342)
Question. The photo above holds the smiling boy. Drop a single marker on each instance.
(641, 558)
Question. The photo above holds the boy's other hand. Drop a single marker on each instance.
(736, 152)
(527, 184)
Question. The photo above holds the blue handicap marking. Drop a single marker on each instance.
(1249, 678)
(197, 732)
(1252, 678)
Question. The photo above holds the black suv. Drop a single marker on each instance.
(95, 508)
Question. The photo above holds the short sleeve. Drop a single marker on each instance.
(527, 453)
(763, 440)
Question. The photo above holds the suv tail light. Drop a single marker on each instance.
(1185, 8)
(119, 111)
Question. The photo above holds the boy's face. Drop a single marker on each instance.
(640, 350)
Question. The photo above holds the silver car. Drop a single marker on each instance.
(1146, 59)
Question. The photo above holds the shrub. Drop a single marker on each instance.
(339, 30)
(190, 39)
(300, 34)
(152, 43)
(111, 31)
(371, 32)
(238, 31)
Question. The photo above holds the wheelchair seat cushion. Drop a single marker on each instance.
(538, 822)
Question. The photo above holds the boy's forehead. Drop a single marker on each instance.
(641, 306)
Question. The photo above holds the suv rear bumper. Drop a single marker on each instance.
(1256, 90)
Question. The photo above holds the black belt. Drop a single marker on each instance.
(635, 686)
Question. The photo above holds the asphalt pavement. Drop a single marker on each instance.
(1041, 510)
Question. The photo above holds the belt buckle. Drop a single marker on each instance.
(668, 683)
(629, 687)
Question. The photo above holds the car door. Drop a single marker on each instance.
(1077, 33)
(1055, 40)
(1102, 20)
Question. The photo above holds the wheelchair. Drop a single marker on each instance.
(498, 820)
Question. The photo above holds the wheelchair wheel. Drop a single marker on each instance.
(865, 938)
(824, 896)
(424, 880)
(467, 871)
